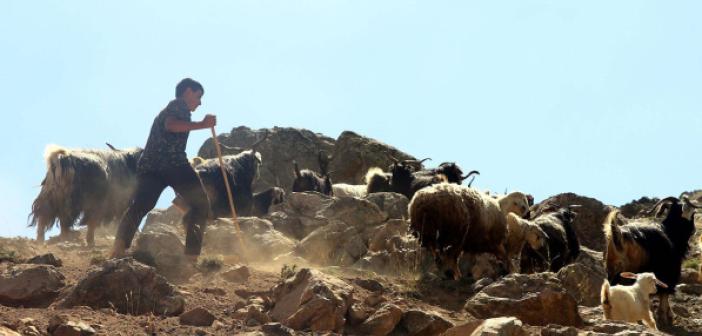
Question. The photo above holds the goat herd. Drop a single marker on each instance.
(94, 187)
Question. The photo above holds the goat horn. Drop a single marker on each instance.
(656, 207)
(472, 172)
(627, 275)
(471, 181)
(395, 160)
(661, 283)
(265, 136)
(415, 161)
(111, 147)
(690, 202)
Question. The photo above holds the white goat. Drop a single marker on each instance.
(631, 303)
(519, 232)
(349, 190)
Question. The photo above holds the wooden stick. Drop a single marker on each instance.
(229, 190)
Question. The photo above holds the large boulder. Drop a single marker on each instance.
(588, 222)
(127, 286)
(298, 215)
(354, 154)
(170, 216)
(536, 299)
(30, 285)
(312, 301)
(583, 279)
(382, 321)
(278, 151)
(634, 207)
(261, 241)
(161, 247)
(419, 323)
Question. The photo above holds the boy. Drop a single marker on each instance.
(163, 164)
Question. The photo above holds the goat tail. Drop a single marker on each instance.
(372, 172)
(297, 170)
(604, 300)
(611, 229)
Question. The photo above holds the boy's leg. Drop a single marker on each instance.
(186, 183)
(149, 188)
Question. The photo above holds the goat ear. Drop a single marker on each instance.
(628, 275)
(661, 283)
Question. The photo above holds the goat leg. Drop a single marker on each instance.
(664, 313)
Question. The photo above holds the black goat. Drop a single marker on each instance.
(644, 245)
(262, 201)
(309, 180)
(562, 246)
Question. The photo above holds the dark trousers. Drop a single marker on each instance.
(150, 185)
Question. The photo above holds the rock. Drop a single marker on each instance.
(4, 331)
(416, 323)
(391, 236)
(464, 329)
(215, 291)
(500, 326)
(394, 205)
(615, 327)
(312, 300)
(199, 317)
(253, 314)
(481, 265)
(482, 283)
(163, 249)
(557, 330)
(60, 325)
(383, 321)
(276, 329)
(281, 147)
(681, 310)
(398, 263)
(128, 286)
(171, 217)
(297, 216)
(46, 259)
(588, 222)
(261, 241)
(355, 212)
(374, 299)
(583, 279)
(30, 285)
(369, 284)
(355, 154)
(333, 244)
(236, 274)
(690, 289)
(536, 299)
(690, 276)
(358, 313)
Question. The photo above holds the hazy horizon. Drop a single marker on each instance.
(545, 97)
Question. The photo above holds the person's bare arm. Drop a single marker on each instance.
(176, 126)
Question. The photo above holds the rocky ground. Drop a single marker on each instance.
(315, 265)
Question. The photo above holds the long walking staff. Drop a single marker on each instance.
(229, 190)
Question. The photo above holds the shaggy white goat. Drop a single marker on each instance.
(631, 303)
(349, 190)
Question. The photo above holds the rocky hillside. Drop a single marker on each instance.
(316, 264)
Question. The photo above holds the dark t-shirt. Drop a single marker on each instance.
(166, 149)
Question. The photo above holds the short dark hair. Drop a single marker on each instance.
(188, 83)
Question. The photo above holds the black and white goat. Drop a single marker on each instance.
(646, 245)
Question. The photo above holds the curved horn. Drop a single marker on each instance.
(472, 172)
(471, 181)
(656, 208)
(111, 147)
(690, 202)
(394, 160)
(297, 169)
(255, 145)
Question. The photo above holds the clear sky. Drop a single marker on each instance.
(601, 98)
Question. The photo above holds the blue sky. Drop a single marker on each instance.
(599, 98)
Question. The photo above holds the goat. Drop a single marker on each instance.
(308, 180)
(520, 232)
(631, 303)
(94, 186)
(644, 245)
(262, 201)
(562, 246)
(449, 219)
